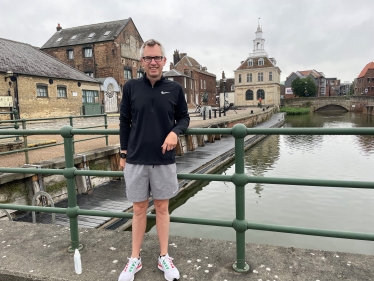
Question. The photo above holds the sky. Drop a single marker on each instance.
(335, 37)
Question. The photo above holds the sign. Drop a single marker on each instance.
(288, 91)
(6, 101)
(75, 94)
(366, 91)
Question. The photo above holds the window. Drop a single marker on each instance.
(260, 94)
(70, 54)
(249, 95)
(140, 74)
(204, 84)
(42, 91)
(59, 39)
(232, 88)
(240, 78)
(249, 77)
(89, 73)
(171, 78)
(250, 62)
(368, 80)
(185, 82)
(372, 80)
(127, 73)
(72, 38)
(88, 52)
(61, 92)
(191, 84)
(270, 76)
(107, 33)
(201, 83)
(260, 77)
(91, 35)
(261, 61)
(89, 96)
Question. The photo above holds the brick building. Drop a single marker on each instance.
(257, 77)
(201, 81)
(318, 78)
(185, 80)
(102, 50)
(365, 81)
(39, 85)
(332, 87)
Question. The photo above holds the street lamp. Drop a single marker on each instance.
(218, 95)
(224, 96)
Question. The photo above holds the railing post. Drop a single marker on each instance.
(106, 127)
(25, 144)
(72, 210)
(71, 124)
(239, 131)
(16, 126)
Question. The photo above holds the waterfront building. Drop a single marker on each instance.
(258, 76)
(365, 81)
(318, 78)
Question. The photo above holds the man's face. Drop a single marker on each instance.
(153, 68)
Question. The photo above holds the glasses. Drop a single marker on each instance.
(149, 59)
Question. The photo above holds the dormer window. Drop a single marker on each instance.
(261, 61)
(250, 62)
(59, 39)
(107, 33)
(72, 38)
(91, 35)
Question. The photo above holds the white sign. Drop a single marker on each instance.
(366, 90)
(6, 101)
(289, 91)
(75, 94)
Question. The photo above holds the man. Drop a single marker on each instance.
(153, 113)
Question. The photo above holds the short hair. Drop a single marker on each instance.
(151, 42)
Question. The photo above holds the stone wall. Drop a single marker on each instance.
(32, 106)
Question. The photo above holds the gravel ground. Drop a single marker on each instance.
(38, 155)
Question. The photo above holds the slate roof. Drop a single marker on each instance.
(313, 72)
(173, 73)
(267, 63)
(23, 58)
(82, 34)
(370, 65)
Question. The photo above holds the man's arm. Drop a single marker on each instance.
(124, 122)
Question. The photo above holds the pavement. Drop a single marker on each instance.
(39, 252)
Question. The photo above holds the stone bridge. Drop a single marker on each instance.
(364, 104)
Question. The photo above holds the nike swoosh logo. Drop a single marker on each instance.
(163, 93)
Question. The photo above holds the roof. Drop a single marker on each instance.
(173, 73)
(370, 65)
(267, 63)
(25, 59)
(313, 72)
(191, 62)
(83, 33)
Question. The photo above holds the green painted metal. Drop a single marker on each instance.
(239, 223)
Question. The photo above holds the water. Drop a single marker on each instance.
(310, 157)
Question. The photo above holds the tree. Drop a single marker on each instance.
(304, 87)
(351, 89)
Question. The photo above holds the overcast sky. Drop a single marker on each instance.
(335, 37)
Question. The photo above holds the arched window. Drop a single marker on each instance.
(249, 95)
(261, 61)
(260, 94)
(250, 62)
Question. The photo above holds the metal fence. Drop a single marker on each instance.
(24, 122)
(239, 223)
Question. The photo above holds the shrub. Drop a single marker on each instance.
(295, 110)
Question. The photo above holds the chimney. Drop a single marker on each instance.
(58, 28)
(204, 68)
(223, 75)
(176, 57)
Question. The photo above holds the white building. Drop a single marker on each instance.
(257, 77)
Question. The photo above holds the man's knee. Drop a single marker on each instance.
(140, 208)
(161, 206)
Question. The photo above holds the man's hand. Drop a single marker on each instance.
(122, 163)
(170, 142)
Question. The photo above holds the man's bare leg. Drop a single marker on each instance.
(162, 224)
(139, 223)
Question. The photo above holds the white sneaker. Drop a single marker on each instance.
(165, 264)
(132, 267)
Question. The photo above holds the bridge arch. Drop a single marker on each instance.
(331, 107)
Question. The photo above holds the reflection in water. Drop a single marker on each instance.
(322, 157)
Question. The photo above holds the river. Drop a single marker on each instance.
(310, 157)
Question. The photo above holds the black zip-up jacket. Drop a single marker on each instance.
(147, 115)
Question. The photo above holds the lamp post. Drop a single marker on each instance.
(224, 96)
(218, 96)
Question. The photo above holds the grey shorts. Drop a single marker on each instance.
(142, 181)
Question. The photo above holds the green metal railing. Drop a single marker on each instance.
(239, 223)
(24, 122)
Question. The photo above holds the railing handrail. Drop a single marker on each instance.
(240, 224)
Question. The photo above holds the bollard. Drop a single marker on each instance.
(215, 113)
(251, 111)
(219, 113)
(210, 114)
(203, 114)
